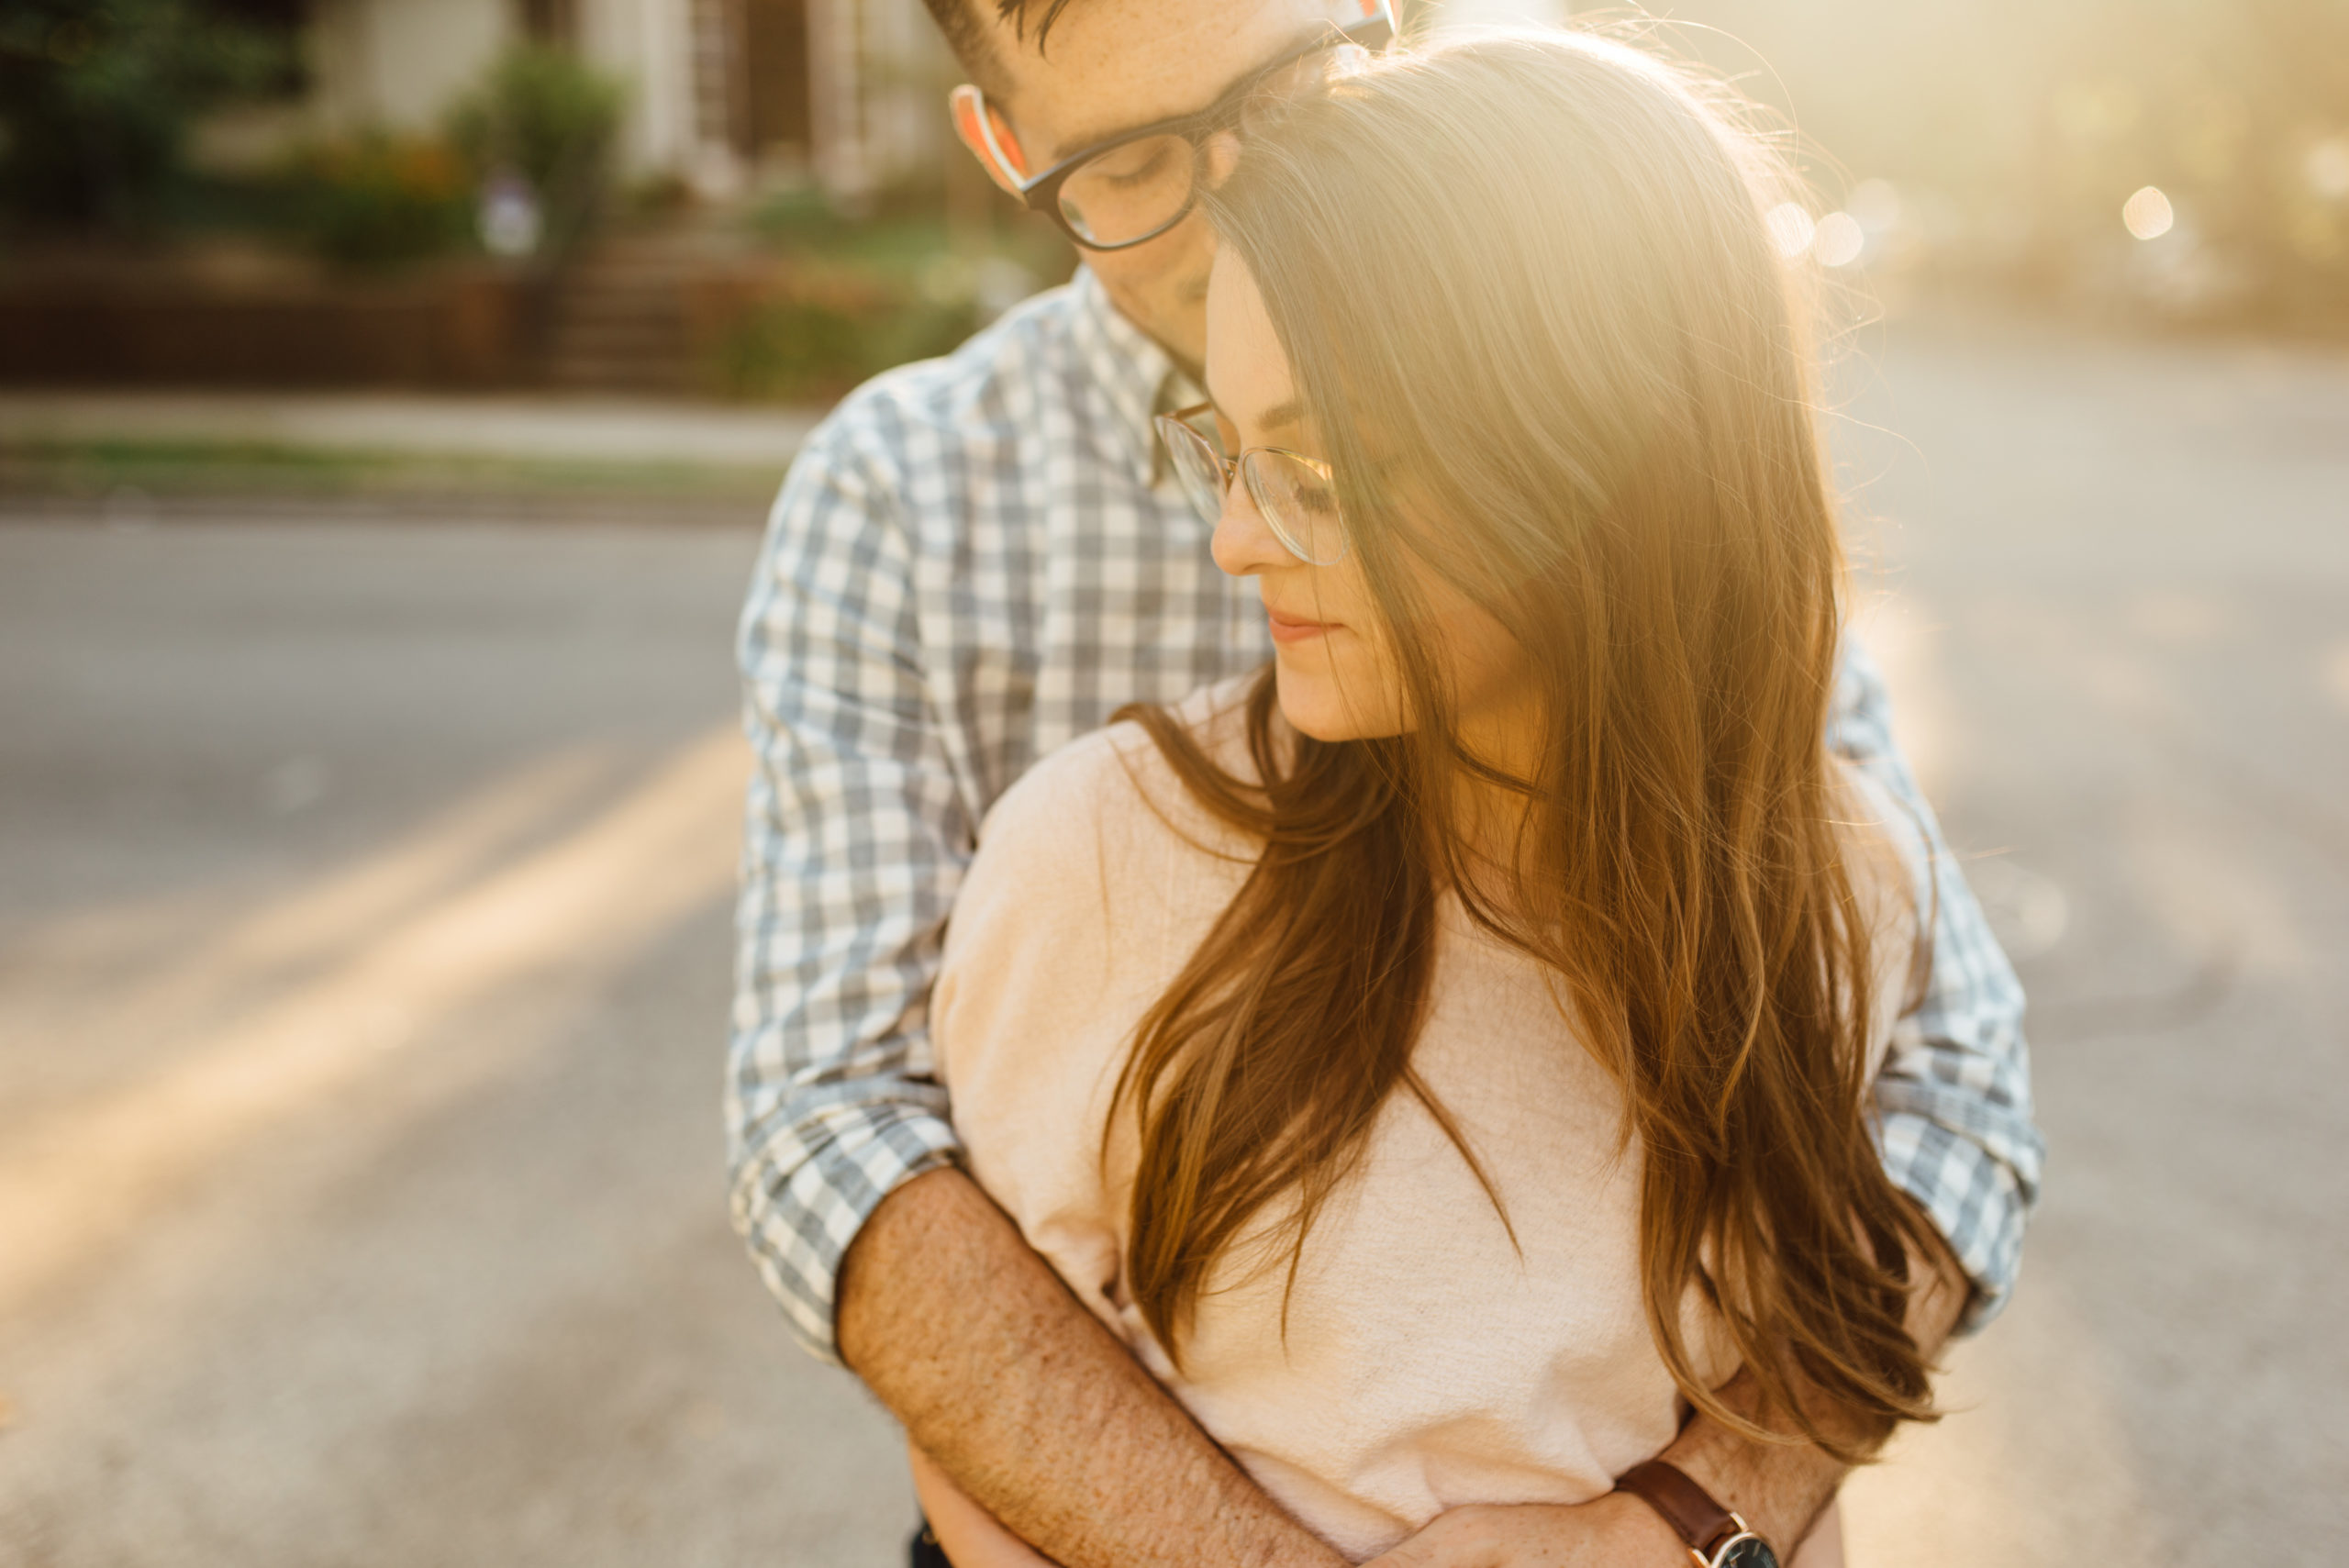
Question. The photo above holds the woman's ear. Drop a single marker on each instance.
(983, 130)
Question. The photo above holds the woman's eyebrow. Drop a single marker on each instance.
(1285, 416)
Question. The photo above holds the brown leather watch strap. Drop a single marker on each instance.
(1687, 1507)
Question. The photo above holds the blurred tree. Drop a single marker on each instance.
(2239, 111)
(2017, 130)
(96, 97)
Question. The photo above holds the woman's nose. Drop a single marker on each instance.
(1245, 545)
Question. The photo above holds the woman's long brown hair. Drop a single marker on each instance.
(1532, 274)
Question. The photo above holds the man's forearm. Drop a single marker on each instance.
(1781, 1489)
(1031, 1406)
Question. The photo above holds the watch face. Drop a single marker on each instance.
(1747, 1551)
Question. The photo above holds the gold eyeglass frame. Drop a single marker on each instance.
(1177, 426)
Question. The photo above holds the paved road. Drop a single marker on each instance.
(2119, 621)
(364, 956)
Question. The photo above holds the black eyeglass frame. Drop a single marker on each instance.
(1041, 194)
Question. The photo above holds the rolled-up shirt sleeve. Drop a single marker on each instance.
(1953, 1095)
(856, 842)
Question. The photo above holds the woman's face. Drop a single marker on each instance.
(1338, 676)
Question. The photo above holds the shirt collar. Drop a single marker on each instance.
(1136, 375)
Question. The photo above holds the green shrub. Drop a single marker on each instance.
(818, 338)
(862, 293)
(376, 200)
(543, 115)
(799, 217)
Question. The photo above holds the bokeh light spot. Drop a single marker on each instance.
(1791, 229)
(1839, 240)
(2148, 214)
(1876, 203)
(2327, 168)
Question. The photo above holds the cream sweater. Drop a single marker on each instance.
(1426, 1363)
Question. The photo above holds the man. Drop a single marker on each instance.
(976, 560)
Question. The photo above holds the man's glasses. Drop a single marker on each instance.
(1296, 495)
(1136, 186)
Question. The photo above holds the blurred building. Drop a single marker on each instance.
(720, 91)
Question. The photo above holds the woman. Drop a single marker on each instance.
(1445, 1061)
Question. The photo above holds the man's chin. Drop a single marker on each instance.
(1174, 319)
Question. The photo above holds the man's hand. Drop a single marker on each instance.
(1780, 1489)
(1617, 1531)
(1032, 1407)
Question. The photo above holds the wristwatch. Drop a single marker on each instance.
(1715, 1537)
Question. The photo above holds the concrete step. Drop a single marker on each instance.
(617, 320)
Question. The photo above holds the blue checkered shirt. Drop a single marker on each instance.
(976, 560)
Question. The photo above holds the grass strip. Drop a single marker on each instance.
(91, 469)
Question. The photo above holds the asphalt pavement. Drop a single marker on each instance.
(364, 956)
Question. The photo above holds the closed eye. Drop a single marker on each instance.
(1138, 167)
(1153, 169)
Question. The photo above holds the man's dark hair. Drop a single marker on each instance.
(1016, 12)
(969, 37)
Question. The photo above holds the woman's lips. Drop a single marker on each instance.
(1287, 628)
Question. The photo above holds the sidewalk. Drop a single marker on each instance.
(545, 428)
(138, 455)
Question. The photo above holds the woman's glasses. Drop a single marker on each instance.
(1136, 186)
(1297, 494)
